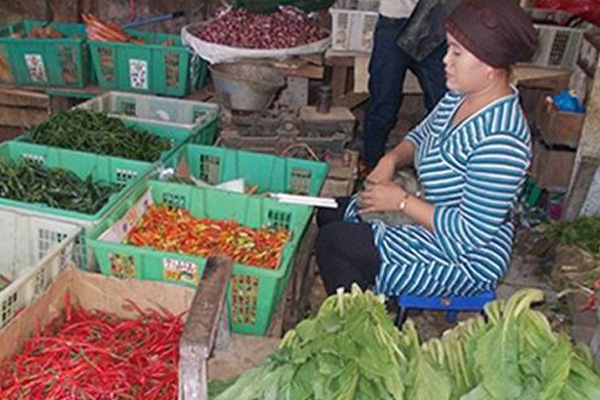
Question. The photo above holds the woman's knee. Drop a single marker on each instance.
(333, 237)
(328, 215)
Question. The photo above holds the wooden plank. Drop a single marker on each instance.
(24, 117)
(361, 74)
(541, 78)
(342, 58)
(339, 79)
(58, 103)
(9, 132)
(305, 71)
(350, 100)
(15, 97)
(580, 187)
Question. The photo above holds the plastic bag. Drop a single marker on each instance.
(567, 102)
(588, 10)
(216, 53)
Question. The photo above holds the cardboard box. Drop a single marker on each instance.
(206, 306)
(558, 128)
(552, 167)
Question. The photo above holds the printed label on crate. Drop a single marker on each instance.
(35, 66)
(178, 270)
(138, 74)
(117, 232)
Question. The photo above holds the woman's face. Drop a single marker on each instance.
(464, 72)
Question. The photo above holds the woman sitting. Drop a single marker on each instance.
(471, 154)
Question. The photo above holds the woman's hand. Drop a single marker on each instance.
(384, 196)
(383, 171)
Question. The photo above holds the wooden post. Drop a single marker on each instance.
(589, 145)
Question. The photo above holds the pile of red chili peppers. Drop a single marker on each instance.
(97, 356)
(176, 230)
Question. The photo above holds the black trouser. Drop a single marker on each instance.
(346, 253)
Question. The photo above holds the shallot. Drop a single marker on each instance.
(288, 27)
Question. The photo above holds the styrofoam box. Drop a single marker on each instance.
(34, 251)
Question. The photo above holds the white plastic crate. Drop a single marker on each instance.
(34, 251)
(182, 115)
(353, 24)
(559, 46)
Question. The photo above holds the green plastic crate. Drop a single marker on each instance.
(150, 68)
(155, 113)
(206, 134)
(253, 292)
(44, 62)
(125, 173)
(268, 172)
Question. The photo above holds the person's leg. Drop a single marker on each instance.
(432, 76)
(327, 215)
(387, 70)
(346, 254)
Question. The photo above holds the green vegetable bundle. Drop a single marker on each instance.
(583, 232)
(55, 187)
(351, 350)
(98, 133)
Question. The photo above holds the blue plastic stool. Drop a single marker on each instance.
(451, 304)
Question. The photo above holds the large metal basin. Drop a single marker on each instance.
(246, 86)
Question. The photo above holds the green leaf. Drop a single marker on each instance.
(375, 363)
(497, 357)
(556, 365)
(329, 364)
(478, 393)
(584, 379)
(330, 322)
(307, 330)
(394, 386)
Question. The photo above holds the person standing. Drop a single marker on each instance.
(409, 35)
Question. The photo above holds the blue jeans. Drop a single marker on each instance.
(387, 70)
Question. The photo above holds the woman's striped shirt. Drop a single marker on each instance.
(472, 173)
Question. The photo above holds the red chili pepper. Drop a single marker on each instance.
(95, 355)
(176, 230)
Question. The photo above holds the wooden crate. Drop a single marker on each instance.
(552, 166)
(556, 127)
(532, 91)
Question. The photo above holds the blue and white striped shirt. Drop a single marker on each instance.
(472, 173)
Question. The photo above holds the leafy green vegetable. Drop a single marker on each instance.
(351, 350)
(583, 232)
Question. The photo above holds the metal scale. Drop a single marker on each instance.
(258, 116)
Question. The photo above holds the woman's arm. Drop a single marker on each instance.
(401, 156)
(495, 172)
(387, 196)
